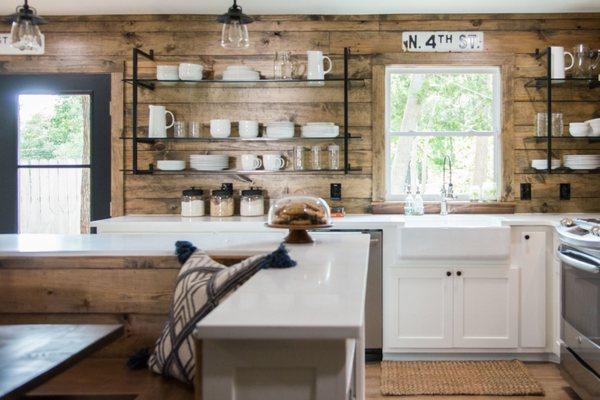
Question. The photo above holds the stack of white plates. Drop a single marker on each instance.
(280, 130)
(589, 161)
(209, 162)
(320, 130)
(543, 164)
(170, 165)
(240, 73)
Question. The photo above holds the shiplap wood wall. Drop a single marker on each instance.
(103, 44)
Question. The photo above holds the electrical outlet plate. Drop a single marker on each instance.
(565, 191)
(525, 191)
(335, 191)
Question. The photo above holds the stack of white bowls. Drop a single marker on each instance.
(589, 161)
(170, 165)
(542, 164)
(240, 73)
(209, 162)
(595, 126)
(320, 130)
(280, 130)
(190, 72)
(587, 128)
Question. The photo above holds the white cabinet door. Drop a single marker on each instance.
(529, 255)
(486, 307)
(421, 308)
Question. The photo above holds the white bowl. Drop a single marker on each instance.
(248, 129)
(595, 125)
(170, 165)
(543, 164)
(280, 130)
(190, 72)
(580, 129)
(167, 72)
(220, 128)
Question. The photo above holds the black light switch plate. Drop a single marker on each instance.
(525, 191)
(335, 191)
(565, 191)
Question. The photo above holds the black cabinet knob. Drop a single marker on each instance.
(458, 273)
(526, 237)
(448, 273)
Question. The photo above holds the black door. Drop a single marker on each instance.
(54, 152)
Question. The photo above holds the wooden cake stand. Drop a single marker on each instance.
(298, 233)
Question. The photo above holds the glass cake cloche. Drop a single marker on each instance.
(299, 213)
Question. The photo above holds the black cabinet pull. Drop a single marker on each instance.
(526, 237)
(458, 273)
(448, 273)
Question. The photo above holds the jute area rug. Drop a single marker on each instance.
(491, 378)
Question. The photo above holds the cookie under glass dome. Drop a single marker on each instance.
(299, 213)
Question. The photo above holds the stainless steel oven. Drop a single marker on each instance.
(580, 324)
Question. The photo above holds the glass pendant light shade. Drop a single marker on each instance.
(25, 32)
(234, 34)
(25, 36)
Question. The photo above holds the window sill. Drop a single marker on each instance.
(454, 207)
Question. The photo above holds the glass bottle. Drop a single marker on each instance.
(418, 207)
(408, 202)
(192, 203)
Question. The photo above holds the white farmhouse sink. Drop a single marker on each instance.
(454, 237)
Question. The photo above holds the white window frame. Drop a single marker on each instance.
(495, 132)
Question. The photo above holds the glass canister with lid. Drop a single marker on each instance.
(192, 203)
(252, 202)
(221, 203)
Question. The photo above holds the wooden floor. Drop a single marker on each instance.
(110, 377)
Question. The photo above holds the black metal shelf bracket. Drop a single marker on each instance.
(549, 105)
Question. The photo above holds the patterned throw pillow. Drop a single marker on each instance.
(201, 285)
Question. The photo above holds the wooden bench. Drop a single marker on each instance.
(133, 291)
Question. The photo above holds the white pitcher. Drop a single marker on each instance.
(558, 62)
(315, 65)
(157, 121)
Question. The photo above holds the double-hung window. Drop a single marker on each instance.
(436, 114)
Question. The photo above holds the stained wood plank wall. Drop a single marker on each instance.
(103, 43)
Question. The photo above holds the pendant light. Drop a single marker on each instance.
(234, 34)
(25, 32)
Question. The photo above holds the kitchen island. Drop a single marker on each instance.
(310, 317)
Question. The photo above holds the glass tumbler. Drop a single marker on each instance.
(315, 157)
(179, 129)
(541, 124)
(299, 158)
(557, 124)
(195, 129)
(334, 156)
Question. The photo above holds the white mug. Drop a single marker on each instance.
(248, 129)
(250, 162)
(315, 65)
(558, 54)
(157, 121)
(273, 162)
(220, 128)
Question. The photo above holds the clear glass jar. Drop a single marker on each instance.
(300, 211)
(221, 203)
(299, 158)
(252, 203)
(192, 203)
(315, 157)
(334, 156)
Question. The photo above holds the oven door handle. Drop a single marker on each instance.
(563, 255)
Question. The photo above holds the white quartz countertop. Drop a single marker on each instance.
(322, 297)
(175, 223)
(26, 245)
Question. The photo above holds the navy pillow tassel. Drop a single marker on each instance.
(280, 258)
(184, 250)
